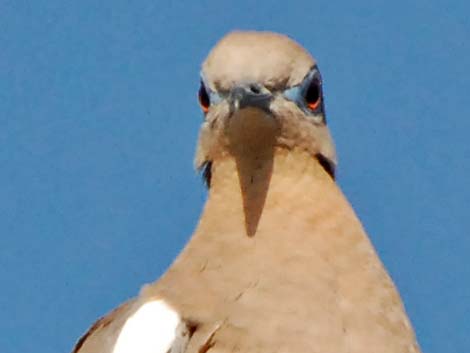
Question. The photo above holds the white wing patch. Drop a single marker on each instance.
(151, 329)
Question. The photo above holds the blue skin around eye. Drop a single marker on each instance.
(294, 94)
(215, 98)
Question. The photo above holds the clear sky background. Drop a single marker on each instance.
(99, 119)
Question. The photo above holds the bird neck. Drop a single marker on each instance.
(250, 188)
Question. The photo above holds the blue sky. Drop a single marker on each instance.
(99, 119)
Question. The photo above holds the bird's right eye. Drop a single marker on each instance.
(204, 99)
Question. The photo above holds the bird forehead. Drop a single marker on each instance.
(271, 59)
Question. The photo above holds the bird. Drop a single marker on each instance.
(279, 261)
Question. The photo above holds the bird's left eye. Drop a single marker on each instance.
(204, 99)
(312, 94)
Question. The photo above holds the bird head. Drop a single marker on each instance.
(262, 91)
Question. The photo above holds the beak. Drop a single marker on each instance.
(251, 95)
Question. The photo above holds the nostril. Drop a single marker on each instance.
(255, 89)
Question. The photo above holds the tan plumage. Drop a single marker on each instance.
(279, 262)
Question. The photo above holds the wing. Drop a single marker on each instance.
(136, 327)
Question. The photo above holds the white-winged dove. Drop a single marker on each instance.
(279, 262)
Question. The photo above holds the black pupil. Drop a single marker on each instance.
(313, 92)
(203, 96)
